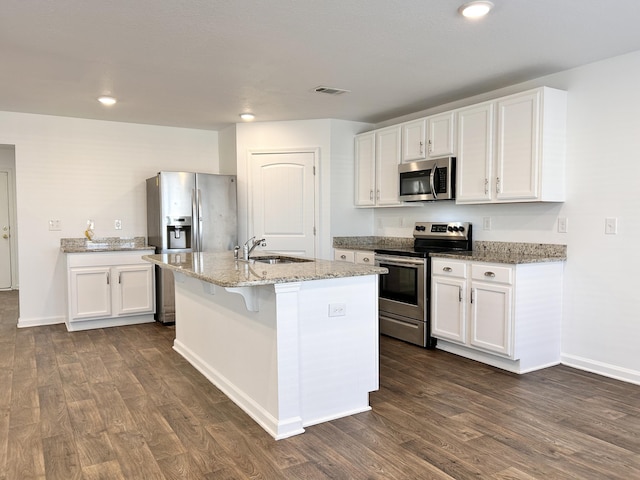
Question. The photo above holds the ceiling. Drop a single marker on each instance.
(199, 63)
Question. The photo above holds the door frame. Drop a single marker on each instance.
(9, 166)
(316, 188)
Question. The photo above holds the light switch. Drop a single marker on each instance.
(117, 224)
(486, 223)
(337, 309)
(611, 226)
(54, 225)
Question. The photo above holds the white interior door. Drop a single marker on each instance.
(5, 233)
(282, 199)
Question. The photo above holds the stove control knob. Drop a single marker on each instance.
(455, 229)
(461, 229)
(450, 228)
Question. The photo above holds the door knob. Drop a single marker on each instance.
(5, 236)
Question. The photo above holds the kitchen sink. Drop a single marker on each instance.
(274, 260)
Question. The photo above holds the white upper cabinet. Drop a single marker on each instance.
(414, 137)
(377, 158)
(475, 153)
(521, 158)
(365, 153)
(441, 130)
(387, 161)
(429, 137)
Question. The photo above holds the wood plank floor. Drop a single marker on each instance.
(119, 403)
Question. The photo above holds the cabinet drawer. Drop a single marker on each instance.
(341, 255)
(448, 268)
(365, 258)
(491, 273)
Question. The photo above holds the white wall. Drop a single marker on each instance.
(74, 170)
(601, 329)
(334, 139)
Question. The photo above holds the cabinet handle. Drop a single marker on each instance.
(447, 269)
(497, 184)
(366, 259)
(486, 186)
(119, 280)
(370, 194)
(343, 257)
(108, 279)
(489, 274)
(430, 147)
(378, 195)
(421, 145)
(460, 294)
(472, 290)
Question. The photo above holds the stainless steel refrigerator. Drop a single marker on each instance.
(188, 212)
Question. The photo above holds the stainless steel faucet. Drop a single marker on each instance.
(246, 249)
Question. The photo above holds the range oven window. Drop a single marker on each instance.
(400, 284)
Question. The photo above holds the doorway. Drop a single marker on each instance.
(282, 200)
(8, 245)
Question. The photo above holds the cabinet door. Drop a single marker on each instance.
(414, 136)
(441, 135)
(475, 154)
(134, 289)
(89, 292)
(448, 312)
(388, 147)
(344, 255)
(365, 258)
(365, 173)
(491, 318)
(517, 160)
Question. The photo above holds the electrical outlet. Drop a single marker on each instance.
(117, 224)
(562, 224)
(337, 309)
(610, 226)
(486, 223)
(54, 225)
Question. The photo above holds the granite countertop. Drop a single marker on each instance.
(106, 244)
(509, 253)
(220, 268)
(483, 251)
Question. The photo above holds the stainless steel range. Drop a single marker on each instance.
(404, 292)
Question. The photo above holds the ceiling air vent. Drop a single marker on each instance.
(330, 90)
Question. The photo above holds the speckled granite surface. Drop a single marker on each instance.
(106, 244)
(510, 252)
(220, 268)
(483, 251)
(371, 243)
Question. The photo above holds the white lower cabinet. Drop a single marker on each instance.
(364, 257)
(108, 289)
(508, 316)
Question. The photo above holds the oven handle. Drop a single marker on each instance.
(399, 262)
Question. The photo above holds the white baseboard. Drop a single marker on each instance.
(601, 368)
(38, 322)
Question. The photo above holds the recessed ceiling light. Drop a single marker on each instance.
(475, 9)
(107, 100)
(247, 116)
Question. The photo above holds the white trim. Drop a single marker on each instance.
(39, 322)
(601, 368)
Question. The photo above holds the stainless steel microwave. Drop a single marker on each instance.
(428, 180)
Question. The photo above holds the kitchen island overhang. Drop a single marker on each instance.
(293, 345)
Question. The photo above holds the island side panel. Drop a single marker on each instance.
(338, 354)
(234, 348)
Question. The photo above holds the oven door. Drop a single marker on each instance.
(402, 290)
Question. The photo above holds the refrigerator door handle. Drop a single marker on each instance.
(199, 220)
(194, 216)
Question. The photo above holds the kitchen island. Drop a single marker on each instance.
(292, 344)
